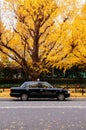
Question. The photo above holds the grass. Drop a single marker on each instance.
(6, 93)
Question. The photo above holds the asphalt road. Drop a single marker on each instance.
(43, 114)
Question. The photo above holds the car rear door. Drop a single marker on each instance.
(46, 91)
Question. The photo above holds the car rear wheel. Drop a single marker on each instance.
(24, 97)
(61, 97)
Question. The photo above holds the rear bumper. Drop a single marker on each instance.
(14, 94)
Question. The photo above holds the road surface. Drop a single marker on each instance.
(42, 114)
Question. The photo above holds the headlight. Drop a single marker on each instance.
(68, 91)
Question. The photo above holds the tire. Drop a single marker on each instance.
(61, 97)
(24, 97)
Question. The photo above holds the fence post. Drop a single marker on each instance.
(82, 91)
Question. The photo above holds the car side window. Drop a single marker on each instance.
(44, 85)
(33, 85)
(39, 85)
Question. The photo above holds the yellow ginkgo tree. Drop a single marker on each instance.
(34, 35)
(73, 42)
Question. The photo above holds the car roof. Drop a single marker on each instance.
(32, 82)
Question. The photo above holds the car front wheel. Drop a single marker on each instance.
(24, 97)
(61, 97)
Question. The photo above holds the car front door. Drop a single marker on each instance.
(33, 90)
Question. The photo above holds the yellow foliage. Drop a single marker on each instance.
(48, 33)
